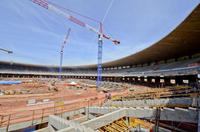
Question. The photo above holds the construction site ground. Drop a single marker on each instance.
(15, 108)
(19, 102)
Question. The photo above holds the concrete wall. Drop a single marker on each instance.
(65, 125)
(106, 119)
(151, 102)
(177, 114)
(26, 124)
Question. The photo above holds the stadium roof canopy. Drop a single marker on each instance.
(182, 41)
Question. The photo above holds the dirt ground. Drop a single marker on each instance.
(72, 96)
(39, 91)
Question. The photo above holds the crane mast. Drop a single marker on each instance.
(61, 52)
(50, 7)
(99, 58)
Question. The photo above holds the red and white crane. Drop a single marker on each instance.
(50, 6)
(71, 18)
(61, 52)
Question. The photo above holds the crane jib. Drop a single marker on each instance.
(71, 18)
(76, 21)
(41, 3)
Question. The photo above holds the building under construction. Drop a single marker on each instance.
(155, 90)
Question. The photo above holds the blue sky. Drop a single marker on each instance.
(35, 35)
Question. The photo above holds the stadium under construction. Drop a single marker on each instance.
(155, 90)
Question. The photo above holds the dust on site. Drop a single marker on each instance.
(153, 90)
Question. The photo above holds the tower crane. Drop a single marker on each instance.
(8, 51)
(61, 52)
(52, 8)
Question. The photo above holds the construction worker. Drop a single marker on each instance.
(106, 96)
(109, 96)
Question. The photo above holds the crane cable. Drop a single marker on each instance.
(107, 11)
(77, 13)
(69, 10)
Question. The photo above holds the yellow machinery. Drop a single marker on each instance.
(123, 125)
(117, 126)
(133, 122)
